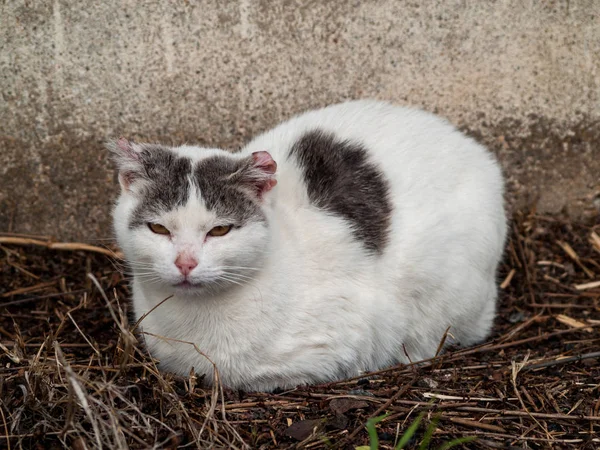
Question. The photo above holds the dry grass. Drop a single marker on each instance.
(73, 373)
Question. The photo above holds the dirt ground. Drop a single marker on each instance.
(74, 374)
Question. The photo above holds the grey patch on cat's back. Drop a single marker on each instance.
(221, 184)
(340, 179)
(167, 175)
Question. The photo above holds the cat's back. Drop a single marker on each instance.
(363, 121)
(410, 146)
(417, 161)
(412, 188)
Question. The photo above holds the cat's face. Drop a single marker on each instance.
(192, 221)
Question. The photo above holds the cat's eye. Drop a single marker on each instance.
(158, 228)
(221, 230)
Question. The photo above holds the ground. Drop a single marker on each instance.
(73, 374)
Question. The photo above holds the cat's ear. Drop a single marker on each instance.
(127, 157)
(259, 174)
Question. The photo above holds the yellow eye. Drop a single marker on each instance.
(220, 230)
(158, 228)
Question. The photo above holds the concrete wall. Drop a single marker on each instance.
(521, 76)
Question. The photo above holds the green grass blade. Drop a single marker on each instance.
(373, 438)
(458, 441)
(409, 433)
(429, 434)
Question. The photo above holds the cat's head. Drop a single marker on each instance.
(192, 219)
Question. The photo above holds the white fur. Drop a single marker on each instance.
(319, 307)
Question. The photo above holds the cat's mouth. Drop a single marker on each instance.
(187, 284)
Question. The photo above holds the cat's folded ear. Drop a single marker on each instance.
(259, 173)
(126, 155)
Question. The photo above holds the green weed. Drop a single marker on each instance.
(409, 433)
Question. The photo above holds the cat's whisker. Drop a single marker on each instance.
(117, 263)
(225, 269)
(149, 278)
(134, 264)
(235, 274)
(223, 276)
(239, 278)
(242, 282)
(137, 273)
(152, 280)
(231, 280)
(142, 269)
(145, 274)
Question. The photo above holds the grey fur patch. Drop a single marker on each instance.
(340, 179)
(167, 187)
(225, 185)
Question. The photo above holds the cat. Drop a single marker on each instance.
(343, 241)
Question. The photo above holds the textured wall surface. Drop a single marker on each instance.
(521, 76)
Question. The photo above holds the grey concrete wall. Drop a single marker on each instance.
(521, 76)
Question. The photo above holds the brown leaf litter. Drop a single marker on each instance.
(74, 374)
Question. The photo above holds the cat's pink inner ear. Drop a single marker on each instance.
(265, 163)
(127, 148)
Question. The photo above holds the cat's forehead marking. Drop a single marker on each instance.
(222, 193)
(167, 182)
(340, 179)
(192, 216)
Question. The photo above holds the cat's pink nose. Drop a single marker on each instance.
(185, 264)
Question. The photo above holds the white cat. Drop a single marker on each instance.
(335, 244)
